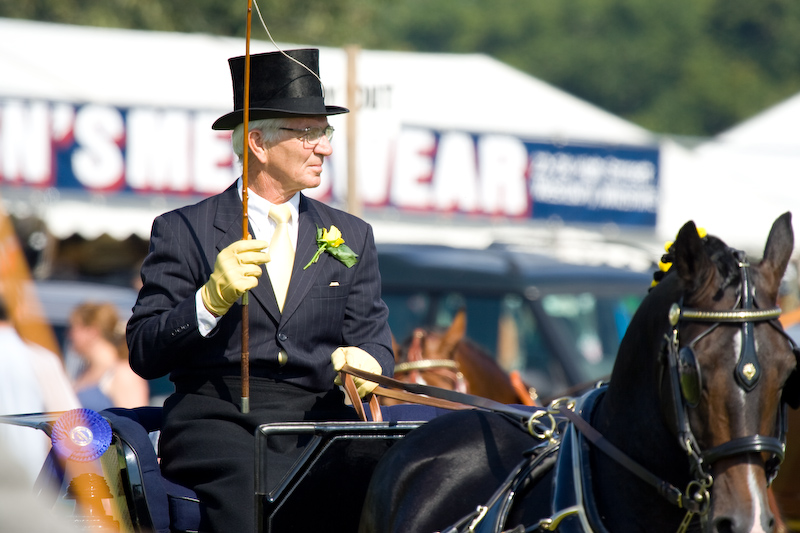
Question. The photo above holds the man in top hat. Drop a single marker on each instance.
(312, 307)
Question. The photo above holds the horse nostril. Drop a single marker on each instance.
(722, 525)
(727, 524)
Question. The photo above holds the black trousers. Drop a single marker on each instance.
(207, 444)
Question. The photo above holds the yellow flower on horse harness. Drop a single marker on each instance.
(665, 266)
(331, 241)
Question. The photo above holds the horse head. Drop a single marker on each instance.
(447, 358)
(720, 371)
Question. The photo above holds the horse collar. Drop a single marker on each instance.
(573, 500)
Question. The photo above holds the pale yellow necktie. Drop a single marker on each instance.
(281, 253)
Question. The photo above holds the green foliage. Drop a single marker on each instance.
(689, 67)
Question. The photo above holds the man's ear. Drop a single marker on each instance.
(255, 142)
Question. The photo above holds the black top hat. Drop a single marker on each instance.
(279, 87)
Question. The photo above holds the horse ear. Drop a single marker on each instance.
(691, 260)
(777, 252)
(456, 332)
(395, 347)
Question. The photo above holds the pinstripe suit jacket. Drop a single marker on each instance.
(327, 305)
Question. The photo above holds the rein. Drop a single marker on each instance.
(434, 396)
(673, 494)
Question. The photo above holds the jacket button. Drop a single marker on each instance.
(282, 337)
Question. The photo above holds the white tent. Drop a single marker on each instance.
(53, 75)
(738, 183)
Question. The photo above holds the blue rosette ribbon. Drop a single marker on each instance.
(81, 435)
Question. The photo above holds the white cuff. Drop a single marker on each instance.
(206, 322)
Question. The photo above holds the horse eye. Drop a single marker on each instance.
(689, 372)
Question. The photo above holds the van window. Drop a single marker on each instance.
(524, 345)
(554, 341)
(503, 325)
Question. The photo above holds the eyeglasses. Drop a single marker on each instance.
(313, 136)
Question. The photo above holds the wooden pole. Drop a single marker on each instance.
(245, 232)
(353, 199)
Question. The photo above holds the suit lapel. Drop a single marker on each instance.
(228, 221)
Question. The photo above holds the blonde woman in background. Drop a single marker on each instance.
(98, 336)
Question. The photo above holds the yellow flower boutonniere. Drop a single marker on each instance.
(331, 241)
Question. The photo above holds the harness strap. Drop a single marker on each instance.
(438, 393)
(751, 444)
(493, 515)
(673, 494)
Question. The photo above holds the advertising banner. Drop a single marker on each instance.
(102, 149)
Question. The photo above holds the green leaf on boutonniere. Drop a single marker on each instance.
(331, 241)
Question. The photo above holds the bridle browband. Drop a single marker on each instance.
(684, 370)
(415, 364)
(425, 364)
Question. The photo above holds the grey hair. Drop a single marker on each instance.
(269, 128)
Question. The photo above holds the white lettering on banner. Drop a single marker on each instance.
(503, 162)
(455, 178)
(374, 97)
(63, 120)
(413, 169)
(97, 162)
(593, 181)
(157, 154)
(25, 149)
(213, 162)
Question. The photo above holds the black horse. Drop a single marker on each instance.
(688, 433)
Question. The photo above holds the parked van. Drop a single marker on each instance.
(557, 323)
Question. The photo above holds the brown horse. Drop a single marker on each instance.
(449, 360)
(688, 432)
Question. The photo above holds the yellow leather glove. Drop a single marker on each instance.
(357, 358)
(236, 270)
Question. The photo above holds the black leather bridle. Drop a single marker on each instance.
(686, 381)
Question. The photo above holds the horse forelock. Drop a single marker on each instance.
(709, 287)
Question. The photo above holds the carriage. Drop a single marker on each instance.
(105, 468)
(646, 452)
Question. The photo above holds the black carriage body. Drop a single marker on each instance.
(324, 490)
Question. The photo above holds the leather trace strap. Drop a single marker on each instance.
(673, 494)
(434, 396)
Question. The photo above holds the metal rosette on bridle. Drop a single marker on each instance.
(81, 435)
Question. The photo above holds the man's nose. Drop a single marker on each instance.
(324, 146)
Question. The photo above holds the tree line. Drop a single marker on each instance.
(682, 67)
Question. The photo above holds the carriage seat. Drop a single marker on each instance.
(155, 502)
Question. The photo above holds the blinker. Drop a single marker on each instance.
(689, 373)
